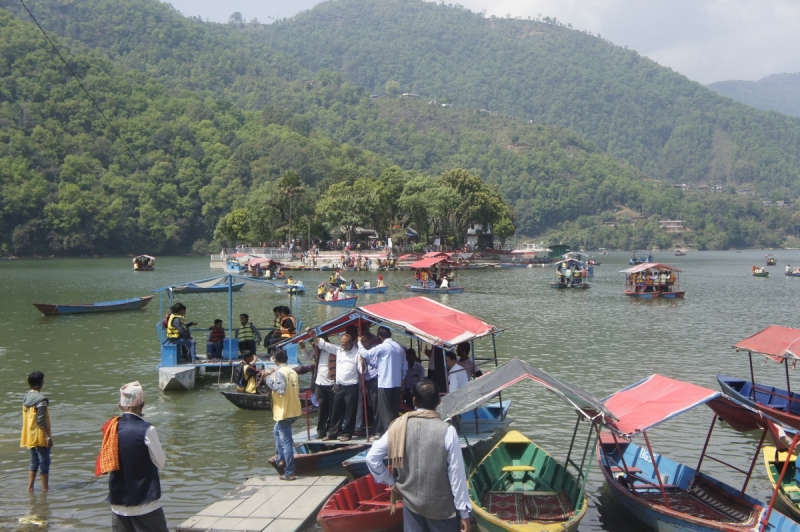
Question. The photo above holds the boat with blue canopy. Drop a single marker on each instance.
(664, 494)
(217, 284)
(640, 257)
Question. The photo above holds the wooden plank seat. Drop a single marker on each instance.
(518, 468)
(631, 469)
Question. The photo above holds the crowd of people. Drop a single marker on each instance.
(571, 272)
(434, 278)
(651, 280)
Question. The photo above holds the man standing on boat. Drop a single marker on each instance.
(345, 396)
(426, 454)
(390, 359)
(286, 409)
(456, 374)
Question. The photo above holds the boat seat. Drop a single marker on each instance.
(779, 402)
(631, 469)
(518, 468)
(747, 388)
(763, 394)
(794, 406)
(381, 503)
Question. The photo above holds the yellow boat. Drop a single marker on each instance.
(789, 494)
(521, 488)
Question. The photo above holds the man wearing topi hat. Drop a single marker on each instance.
(134, 486)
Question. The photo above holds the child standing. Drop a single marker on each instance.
(36, 434)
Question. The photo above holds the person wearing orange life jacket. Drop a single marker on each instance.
(288, 323)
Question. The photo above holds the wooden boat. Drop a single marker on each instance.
(144, 263)
(209, 286)
(771, 259)
(428, 268)
(570, 273)
(791, 272)
(640, 257)
(105, 306)
(789, 492)
(760, 272)
(361, 506)
(294, 288)
(421, 289)
(667, 495)
(349, 302)
(310, 456)
(370, 290)
(262, 401)
(778, 344)
(680, 253)
(651, 280)
(519, 487)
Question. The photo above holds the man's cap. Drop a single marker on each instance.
(131, 395)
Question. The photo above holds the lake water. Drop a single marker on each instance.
(597, 339)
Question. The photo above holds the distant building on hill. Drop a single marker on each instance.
(672, 226)
(682, 186)
(410, 96)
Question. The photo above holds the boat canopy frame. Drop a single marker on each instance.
(656, 399)
(776, 343)
(588, 407)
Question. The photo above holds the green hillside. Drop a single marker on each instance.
(631, 107)
(779, 92)
(215, 121)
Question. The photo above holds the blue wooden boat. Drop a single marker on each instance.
(664, 494)
(311, 456)
(200, 288)
(349, 302)
(370, 290)
(425, 289)
(106, 306)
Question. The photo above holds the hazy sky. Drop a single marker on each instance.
(706, 40)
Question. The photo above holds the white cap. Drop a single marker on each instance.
(131, 395)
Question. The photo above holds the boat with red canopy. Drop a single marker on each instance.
(778, 344)
(653, 279)
(664, 494)
(441, 328)
(435, 274)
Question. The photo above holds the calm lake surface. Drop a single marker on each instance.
(597, 339)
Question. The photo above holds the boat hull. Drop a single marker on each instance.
(309, 457)
(741, 390)
(258, 401)
(535, 480)
(107, 306)
(792, 274)
(371, 290)
(423, 290)
(361, 506)
(561, 286)
(788, 490)
(235, 287)
(346, 302)
(761, 274)
(654, 295)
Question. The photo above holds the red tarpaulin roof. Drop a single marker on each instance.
(253, 262)
(774, 342)
(427, 263)
(407, 256)
(652, 401)
(430, 321)
(654, 265)
(237, 255)
(434, 254)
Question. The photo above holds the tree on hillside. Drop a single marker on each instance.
(291, 187)
(233, 227)
(341, 209)
(392, 89)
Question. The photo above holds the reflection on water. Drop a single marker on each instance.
(597, 339)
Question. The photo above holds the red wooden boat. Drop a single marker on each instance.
(363, 506)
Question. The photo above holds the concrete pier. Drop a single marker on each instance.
(266, 504)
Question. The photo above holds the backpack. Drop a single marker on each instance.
(239, 377)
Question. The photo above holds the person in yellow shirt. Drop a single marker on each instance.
(286, 409)
(36, 431)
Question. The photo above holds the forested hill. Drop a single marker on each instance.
(630, 106)
(779, 92)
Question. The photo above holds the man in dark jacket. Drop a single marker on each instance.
(135, 489)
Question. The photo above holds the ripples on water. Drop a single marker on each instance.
(597, 339)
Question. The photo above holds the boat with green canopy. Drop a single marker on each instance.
(518, 486)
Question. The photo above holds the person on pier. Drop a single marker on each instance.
(286, 409)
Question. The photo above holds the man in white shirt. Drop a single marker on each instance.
(456, 375)
(345, 394)
(323, 384)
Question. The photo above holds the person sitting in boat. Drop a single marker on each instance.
(290, 281)
(417, 277)
(336, 294)
(329, 295)
(248, 335)
(321, 291)
(788, 268)
(214, 340)
(281, 275)
(288, 323)
(381, 284)
(456, 374)
(445, 283)
(353, 285)
(178, 330)
(568, 275)
(332, 279)
(245, 374)
(366, 285)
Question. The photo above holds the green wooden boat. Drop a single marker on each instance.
(760, 273)
(789, 494)
(519, 487)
